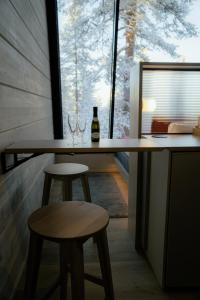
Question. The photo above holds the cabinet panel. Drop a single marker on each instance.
(183, 247)
(157, 212)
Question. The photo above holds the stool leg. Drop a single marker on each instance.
(46, 190)
(67, 190)
(63, 271)
(77, 271)
(32, 268)
(86, 188)
(104, 258)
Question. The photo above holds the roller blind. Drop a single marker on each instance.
(169, 96)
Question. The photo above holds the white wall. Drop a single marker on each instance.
(25, 113)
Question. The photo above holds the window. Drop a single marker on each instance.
(159, 31)
(86, 36)
(155, 31)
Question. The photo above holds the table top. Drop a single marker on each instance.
(173, 142)
(64, 146)
(176, 142)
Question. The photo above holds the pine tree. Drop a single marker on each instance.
(86, 46)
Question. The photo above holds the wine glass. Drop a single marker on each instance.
(82, 126)
(73, 124)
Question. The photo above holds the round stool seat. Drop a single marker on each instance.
(64, 169)
(68, 220)
(65, 172)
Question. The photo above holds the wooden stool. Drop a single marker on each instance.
(69, 224)
(66, 172)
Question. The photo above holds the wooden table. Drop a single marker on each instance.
(38, 147)
(64, 146)
(145, 144)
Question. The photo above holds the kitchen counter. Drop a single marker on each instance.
(168, 209)
(176, 142)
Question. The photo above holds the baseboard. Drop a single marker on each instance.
(123, 157)
(122, 170)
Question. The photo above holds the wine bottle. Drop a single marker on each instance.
(95, 127)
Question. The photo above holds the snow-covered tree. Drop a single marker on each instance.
(86, 47)
(146, 25)
(84, 55)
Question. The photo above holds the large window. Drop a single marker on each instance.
(159, 31)
(86, 36)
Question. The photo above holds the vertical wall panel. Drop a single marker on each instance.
(25, 113)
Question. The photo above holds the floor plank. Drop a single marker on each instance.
(132, 277)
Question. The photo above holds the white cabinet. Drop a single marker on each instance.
(173, 231)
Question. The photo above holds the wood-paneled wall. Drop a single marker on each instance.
(25, 113)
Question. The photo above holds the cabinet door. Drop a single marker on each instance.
(183, 230)
(159, 182)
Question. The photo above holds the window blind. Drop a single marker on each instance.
(172, 95)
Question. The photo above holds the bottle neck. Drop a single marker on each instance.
(95, 118)
(95, 112)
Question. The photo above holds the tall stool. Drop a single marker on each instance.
(69, 224)
(66, 172)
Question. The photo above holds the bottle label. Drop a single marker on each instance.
(95, 135)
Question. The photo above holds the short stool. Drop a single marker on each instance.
(66, 172)
(69, 224)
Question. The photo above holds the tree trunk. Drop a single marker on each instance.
(129, 53)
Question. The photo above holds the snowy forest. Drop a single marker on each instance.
(86, 46)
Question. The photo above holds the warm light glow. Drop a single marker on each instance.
(148, 105)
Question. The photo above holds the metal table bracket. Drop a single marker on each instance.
(16, 161)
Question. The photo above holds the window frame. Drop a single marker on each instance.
(54, 53)
(54, 61)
